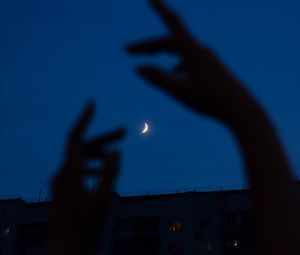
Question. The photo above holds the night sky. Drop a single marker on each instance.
(56, 55)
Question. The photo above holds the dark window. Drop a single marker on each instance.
(34, 234)
(239, 218)
(137, 226)
(124, 227)
(123, 245)
(146, 245)
(141, 246)
(147, 224)
(247, 218)
(204, 245)
(233, 218)
(205, 222)
(176, 247)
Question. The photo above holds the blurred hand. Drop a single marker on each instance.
(200, 81)
(79, 214)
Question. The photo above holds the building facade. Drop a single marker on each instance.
(211, 223)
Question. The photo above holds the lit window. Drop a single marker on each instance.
(5, 231)
(175, 226)
(232, 243)
(236, 243)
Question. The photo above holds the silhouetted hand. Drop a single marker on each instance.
(200, 81)
(79, 214)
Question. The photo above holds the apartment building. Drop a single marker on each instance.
(209, 223)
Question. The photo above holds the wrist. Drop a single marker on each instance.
(248, 117)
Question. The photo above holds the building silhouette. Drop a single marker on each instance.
(212, 223)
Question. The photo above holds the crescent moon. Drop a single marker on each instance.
(146, 128)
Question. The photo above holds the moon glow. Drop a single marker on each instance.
(145, 129)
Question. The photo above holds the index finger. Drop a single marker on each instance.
(82, 123)
(169, 18)
(94, 147)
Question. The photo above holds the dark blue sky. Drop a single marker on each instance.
(56, 55)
